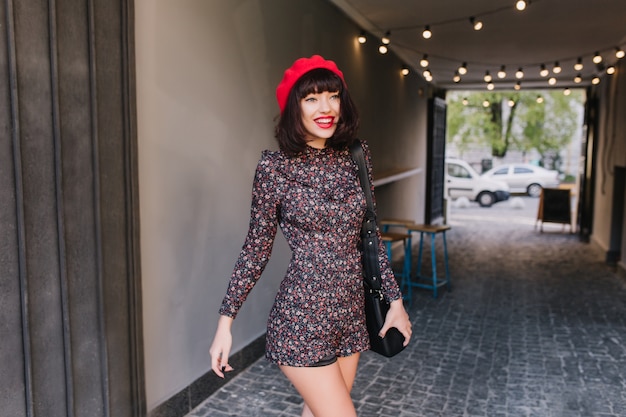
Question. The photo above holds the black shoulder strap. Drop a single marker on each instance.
(359, 157)
(369, 237)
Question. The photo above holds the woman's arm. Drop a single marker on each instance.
(396, 316)
(259, 241)
(251, 262)
(389, 285)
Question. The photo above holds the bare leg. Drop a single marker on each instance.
(325, 389)
(348, 366)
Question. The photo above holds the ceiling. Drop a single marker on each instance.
(545, 32)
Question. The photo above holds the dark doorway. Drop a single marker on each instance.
(434, 212)
(617, 217)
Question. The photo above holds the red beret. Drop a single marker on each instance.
(297, 70)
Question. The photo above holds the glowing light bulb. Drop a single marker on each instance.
(476, 24)
(597, 58)
(518, 86)
(405, 71)
(465, 101)
(385, 39)
(619, 53)
(578, 79)
(486, 103)
(595, 80)
(552, 81)
(382, 49)
(539, 99)
(487, 77)
(511, 102)
(544, 71)
(610, 70)
(424, 61)
(578, 66)
(427, 34)
(519, 74)
(463, 69)
(567, 92)
(456, 78)
(362, 39)
(490, 86)
(502, 72)
(557, 68)
(520, 5)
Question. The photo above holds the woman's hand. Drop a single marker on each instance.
(220, 349)
(397, 317)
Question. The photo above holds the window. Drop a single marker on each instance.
(522, 170)
(458, 171)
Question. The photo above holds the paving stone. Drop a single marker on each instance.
(535, 327)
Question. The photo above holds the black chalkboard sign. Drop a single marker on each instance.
(555, 206)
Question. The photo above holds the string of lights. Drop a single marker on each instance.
(603, 59)
(475, 21)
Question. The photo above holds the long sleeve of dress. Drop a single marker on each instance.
(390, 288)
(259, 241)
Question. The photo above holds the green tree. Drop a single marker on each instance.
(513, 120)
(549, 126)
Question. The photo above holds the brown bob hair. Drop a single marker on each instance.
(290, 132)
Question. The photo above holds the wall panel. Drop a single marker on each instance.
(69, 274)
(13, 369)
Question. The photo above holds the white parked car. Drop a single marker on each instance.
(461, 180)
(524, 178)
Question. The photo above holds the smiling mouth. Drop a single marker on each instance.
(325, 122)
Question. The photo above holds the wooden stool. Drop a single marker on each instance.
(388, 239)
(431, 230)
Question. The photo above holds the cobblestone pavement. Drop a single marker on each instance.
(535, 327)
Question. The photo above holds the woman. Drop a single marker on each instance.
(310, 188)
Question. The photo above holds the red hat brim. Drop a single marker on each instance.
(298, 69)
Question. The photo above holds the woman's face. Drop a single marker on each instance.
(320, 114)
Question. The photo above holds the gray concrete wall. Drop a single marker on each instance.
(69, 270)
(206, 76)
(611, 154)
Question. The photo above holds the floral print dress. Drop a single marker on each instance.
(316, 199)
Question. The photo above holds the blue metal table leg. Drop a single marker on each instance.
(433, 259)
(419, 256)
(408, 264)
(406, 275)
(409, 255)
(445, 258)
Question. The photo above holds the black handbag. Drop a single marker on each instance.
(376, 306)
